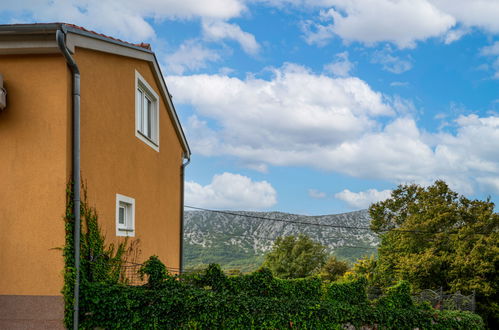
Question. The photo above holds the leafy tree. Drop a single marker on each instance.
(433, 237)
(364, 267)
(295, 257)
(333, 269)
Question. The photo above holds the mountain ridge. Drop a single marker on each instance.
(239, 239)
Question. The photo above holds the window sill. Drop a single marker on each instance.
(147, 140)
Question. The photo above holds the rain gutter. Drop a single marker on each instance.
(60, 37)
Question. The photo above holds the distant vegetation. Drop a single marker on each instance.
(430, 236)
(239, 239)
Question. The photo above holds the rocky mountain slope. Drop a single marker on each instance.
(239, 239)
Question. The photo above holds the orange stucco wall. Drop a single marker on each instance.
(35, 164)
(114, 161)
(34, 169)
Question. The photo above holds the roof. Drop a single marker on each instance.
(142, 44)
(40, 38)
(66, 26)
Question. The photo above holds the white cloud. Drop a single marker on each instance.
(341, 67)
(455, 35)
(231, 191)
(390, 62)
(295, 112)
(402, 22)
(362, 199)
(399, 84)
(299, 118)
(473, 13)
(122, 18)
(314, 193)
(190, 56)
(492, 51)
(219, 30)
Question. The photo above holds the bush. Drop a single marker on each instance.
(212, 300)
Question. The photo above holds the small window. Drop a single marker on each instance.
(125, 216)
(146, 113)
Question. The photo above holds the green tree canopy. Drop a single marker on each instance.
(295, 257)
(433, 237)
(333, 269)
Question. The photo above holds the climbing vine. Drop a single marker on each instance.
(99, 262)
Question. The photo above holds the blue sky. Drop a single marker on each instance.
(319, 106)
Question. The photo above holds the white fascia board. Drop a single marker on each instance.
(28, 44)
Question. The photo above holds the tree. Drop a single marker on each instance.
(364, 267)
(333, 269)
(295, 257)
(435, 238)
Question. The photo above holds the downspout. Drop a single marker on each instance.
(182, 178)
(60, 37)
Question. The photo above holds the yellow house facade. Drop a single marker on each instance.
(132, 155)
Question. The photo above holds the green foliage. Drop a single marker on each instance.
(398, 296)
(348, 292)
(69, 260)
(155, 270)
(295, 257)
(98, 262)
(440, 239)
(211, 300)
(257, 301)
(333, 269)
(364, 267)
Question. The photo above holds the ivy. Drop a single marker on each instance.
(99, 262)
(213, 300)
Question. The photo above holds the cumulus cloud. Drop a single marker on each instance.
(297, 111)
(362, 199)
(454, 35)
(492, 51)
(190, 56)
(121, 18)
(231, 191)
(402, 22)
(341, 67)
(219, 30)
(316, 194)
(300, 118)
(477, 13)
(391, 63)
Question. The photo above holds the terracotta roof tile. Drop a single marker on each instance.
(142, 44)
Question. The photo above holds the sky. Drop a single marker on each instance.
(319, 106)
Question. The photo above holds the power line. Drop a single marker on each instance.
(333, 226)
(305, 223)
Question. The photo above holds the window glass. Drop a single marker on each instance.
(146, 113)
(121, 217)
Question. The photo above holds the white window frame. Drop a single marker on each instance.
(149, 93)
(128, 227)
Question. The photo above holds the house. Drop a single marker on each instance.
(132, 153)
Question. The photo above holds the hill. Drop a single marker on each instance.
(239, 239)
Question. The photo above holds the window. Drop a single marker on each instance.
(125, 216)
(146, 113)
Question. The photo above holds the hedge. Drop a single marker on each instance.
(212, 300)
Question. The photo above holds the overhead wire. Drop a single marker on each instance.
(321, 224)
